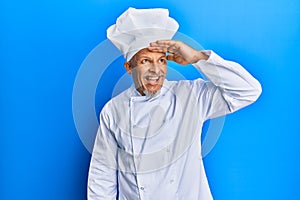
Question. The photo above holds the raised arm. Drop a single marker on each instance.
(230, 86)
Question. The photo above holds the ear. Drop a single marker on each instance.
(127, 67)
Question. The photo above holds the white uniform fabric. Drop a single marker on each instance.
(149, 148)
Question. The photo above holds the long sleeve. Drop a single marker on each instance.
(230, 86)
(102, 179)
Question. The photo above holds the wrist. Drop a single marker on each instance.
(202, 56)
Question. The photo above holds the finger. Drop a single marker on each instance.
(162, 43)
(165, 42)
(172, 49)
(158, 49)
(163, 46)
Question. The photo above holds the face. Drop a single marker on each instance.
(148, 70)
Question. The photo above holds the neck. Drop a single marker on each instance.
(141, 91)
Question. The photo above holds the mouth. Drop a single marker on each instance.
(153, 80)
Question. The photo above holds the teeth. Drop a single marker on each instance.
(152, 78)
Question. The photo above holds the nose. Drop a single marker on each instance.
(155, 68)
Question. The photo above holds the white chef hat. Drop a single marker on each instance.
(136, 28)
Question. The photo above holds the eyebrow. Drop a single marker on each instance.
(164, 56)
(145, 56)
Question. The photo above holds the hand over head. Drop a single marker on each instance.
(178, 51)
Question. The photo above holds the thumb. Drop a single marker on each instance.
(170, 57)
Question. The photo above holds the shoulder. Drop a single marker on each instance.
(116, 104)
(187, 84)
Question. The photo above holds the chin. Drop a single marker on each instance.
(153, 91)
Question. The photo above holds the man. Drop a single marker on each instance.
(148, 142)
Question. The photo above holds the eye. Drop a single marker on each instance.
(162, 60)
(145, 61)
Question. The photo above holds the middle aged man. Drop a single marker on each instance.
(148, 142)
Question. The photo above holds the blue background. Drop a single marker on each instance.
(43, 44)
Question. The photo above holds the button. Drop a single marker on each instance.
(172, 180)
(142, 188)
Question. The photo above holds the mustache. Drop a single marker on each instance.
(149, 74)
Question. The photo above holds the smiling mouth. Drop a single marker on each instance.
(152, 78)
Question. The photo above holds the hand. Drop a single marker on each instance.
(178, 51)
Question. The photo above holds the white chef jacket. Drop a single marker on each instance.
(150, 148)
